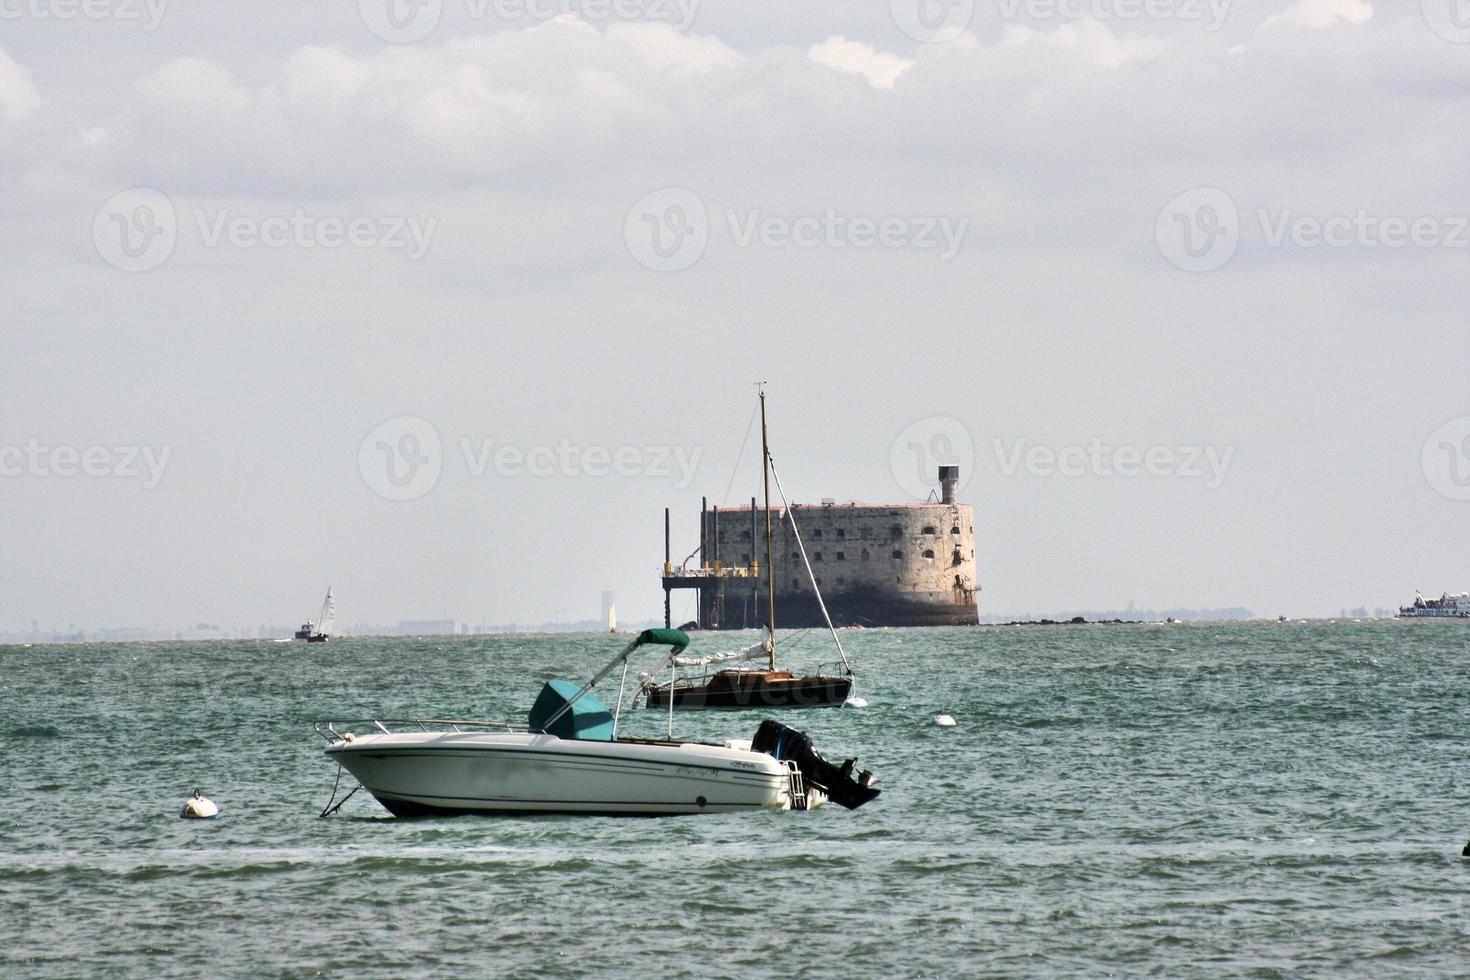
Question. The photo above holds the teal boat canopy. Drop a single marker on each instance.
(569, 710)
(588, 718)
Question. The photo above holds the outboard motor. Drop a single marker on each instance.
(783, 743)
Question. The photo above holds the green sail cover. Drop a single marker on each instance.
(672, 638)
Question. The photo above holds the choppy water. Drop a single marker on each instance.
(1258, 799)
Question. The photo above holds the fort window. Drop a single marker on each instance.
(841, 533)
(929, 529)
(864, 555)
(816, 556)
(957, 559)
(955, 529)
(842, 556)
(840, 580)
(816, 532)
(745, 559)
(928, 554)
(897, 555)
(896, 530)
(796, 583)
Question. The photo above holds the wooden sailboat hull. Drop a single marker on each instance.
(737, 690)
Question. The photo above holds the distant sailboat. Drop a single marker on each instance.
(612, 619)
(326, 624)
(764, 687)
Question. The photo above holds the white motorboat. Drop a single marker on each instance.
(568, 759)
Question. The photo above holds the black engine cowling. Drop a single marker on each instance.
(783, 743)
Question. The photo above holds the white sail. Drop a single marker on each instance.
(612, 619)
(328, 619)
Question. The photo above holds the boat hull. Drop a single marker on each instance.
(752, 690)
(437, 773)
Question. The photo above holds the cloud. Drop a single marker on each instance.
(193, 85)
(1090, 40)
(1323, 13)
(18, 94)
(664, 47)
(881, 69)
(530, 145)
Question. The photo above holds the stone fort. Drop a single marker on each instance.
(907, 564)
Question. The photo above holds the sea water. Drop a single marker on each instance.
(1262, 798)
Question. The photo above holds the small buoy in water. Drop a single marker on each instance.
(855, 703)
(197, 807)
(944, 721)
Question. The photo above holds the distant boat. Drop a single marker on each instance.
(612, 619)
(1445, 607)
(765, 687)
(325, 626)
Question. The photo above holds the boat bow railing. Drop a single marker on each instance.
(340, 730)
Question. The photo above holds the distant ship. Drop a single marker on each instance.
(1445, 607)
(326, 624)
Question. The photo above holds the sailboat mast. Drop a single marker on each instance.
(770, 567)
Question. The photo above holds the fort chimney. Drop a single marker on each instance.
(949, 478)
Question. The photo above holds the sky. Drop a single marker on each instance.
(442, 302)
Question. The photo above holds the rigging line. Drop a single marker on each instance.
(735, 470)
(790, 513)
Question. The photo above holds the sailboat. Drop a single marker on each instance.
(326, 624)
(735, 688)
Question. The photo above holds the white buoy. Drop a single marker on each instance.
(855, 703)
(197, 807)
(944, 721)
